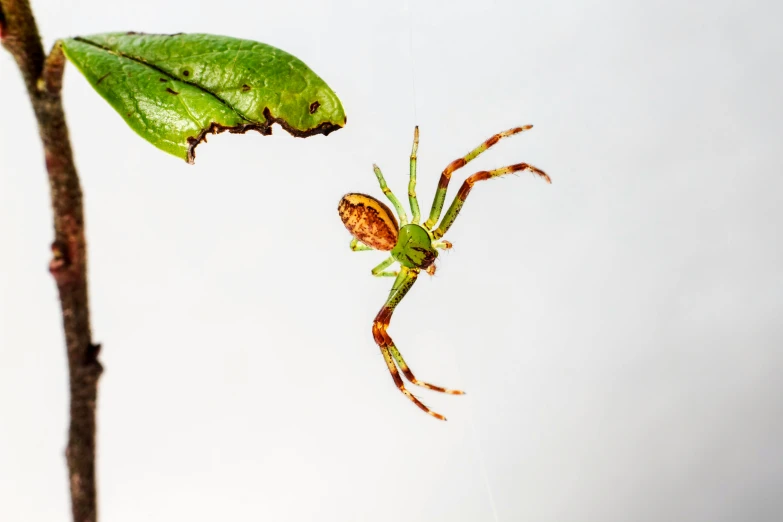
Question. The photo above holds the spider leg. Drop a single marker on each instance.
(443, 245)
(389, 194)
(459, 199)
(358, 246)
(378, 271)
(401, 286)
(409, 374)
(445, 177)
(412, 183)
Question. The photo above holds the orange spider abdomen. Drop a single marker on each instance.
(369, 221)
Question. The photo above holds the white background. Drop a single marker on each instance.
(618, 332)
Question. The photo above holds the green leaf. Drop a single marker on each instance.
(173, 90)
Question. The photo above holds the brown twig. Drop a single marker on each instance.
(43, 78)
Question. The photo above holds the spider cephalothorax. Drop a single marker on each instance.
(414, 246)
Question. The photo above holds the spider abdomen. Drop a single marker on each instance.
(369, 221)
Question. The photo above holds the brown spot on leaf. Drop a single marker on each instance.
(102, 78)
(172, 91)
(185, 73)
(163, 79)
(245, 88)
(314, 107)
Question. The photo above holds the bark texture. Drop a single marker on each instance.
(43, 78)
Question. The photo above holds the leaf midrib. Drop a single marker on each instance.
(166, 73)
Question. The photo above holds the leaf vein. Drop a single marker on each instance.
(162, 71)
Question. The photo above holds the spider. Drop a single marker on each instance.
(414, 246)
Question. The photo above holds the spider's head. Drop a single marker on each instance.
(414, 248)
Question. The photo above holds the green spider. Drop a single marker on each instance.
(413, 246)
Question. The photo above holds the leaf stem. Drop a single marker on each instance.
(43, 78)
